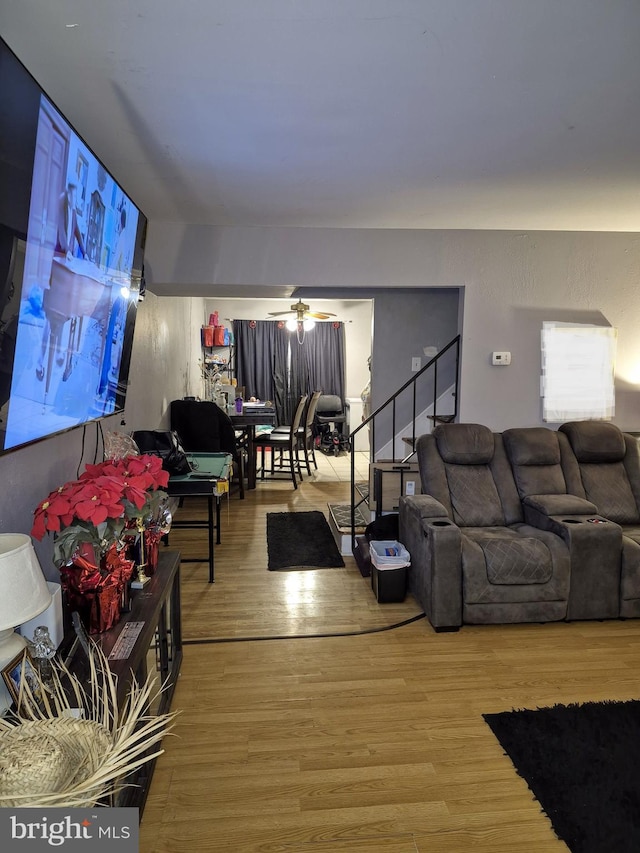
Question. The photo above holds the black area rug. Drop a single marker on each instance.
(582, 762)
(301, 540)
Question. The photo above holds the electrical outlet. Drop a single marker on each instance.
(416, 364)
(410, 487)
(501, 358)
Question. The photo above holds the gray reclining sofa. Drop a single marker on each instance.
(505, 530)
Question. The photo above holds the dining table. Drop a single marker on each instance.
(252, 416)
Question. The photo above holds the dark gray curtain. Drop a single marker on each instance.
(284, 414)
(324, 354)
(263, 348)
(257, 346)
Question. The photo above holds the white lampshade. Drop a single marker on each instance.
(23, 595)
(23, 588)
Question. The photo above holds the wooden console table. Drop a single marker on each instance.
(158, 645)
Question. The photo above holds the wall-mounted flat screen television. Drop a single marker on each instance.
(71, 254)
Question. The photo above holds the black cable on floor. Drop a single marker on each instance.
(212, 641)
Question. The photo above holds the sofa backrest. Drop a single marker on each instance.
(465, 468)
(608, 462)
(536, 460)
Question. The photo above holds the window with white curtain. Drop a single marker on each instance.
(578, 366)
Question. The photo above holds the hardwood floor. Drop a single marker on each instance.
(365, 743)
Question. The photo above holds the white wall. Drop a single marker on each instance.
(512, 282)
(163, 356)
(356, 314)
(164, 363)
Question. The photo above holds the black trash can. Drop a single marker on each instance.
(389, 585)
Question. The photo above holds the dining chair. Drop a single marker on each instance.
(283, 442)
(306, 438)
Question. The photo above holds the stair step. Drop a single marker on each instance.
(442, 419)
(340, 524)
(363, 490)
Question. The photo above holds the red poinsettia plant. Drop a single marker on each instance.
(97, 508)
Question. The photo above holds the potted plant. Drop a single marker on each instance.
(95, 521)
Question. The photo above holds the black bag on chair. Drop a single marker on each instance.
(165, 444)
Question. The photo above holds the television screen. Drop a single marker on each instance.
(71, 250)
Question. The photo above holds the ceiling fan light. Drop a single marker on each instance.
(292, 325)
(307, 325)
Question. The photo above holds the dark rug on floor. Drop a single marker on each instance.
(582, 762)
(301, 540)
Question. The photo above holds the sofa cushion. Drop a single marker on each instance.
(486, 557)
(595, 441)
(532, 446)
(464, 444)
(517, 561)
(534, 454)
(474, 497)
(608, 487)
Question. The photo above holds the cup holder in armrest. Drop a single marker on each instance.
(441, 523)
(579, 520)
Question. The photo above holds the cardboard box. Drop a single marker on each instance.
(388, 480)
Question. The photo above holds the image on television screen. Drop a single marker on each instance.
(78, 289)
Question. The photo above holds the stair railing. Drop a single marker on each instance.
(452, 347)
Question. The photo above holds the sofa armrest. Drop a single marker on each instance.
(560, 505)
(423, 506)
(435, 574)
(595, 551)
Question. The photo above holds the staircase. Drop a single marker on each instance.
(394, 428)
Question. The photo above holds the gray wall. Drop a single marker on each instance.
(512, 280)
(405, 322)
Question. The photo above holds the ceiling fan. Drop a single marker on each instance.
(302, 312)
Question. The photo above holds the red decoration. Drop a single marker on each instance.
(93, 516)
(95, 591)
(151, 548)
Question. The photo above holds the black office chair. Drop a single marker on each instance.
(331, 416)
(203, 426)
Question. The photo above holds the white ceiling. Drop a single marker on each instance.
(498, 114)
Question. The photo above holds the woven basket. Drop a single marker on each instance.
(49, 757)
(47, 760)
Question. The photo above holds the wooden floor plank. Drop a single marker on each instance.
(364, 743)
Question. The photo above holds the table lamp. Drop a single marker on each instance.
(23, 594)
